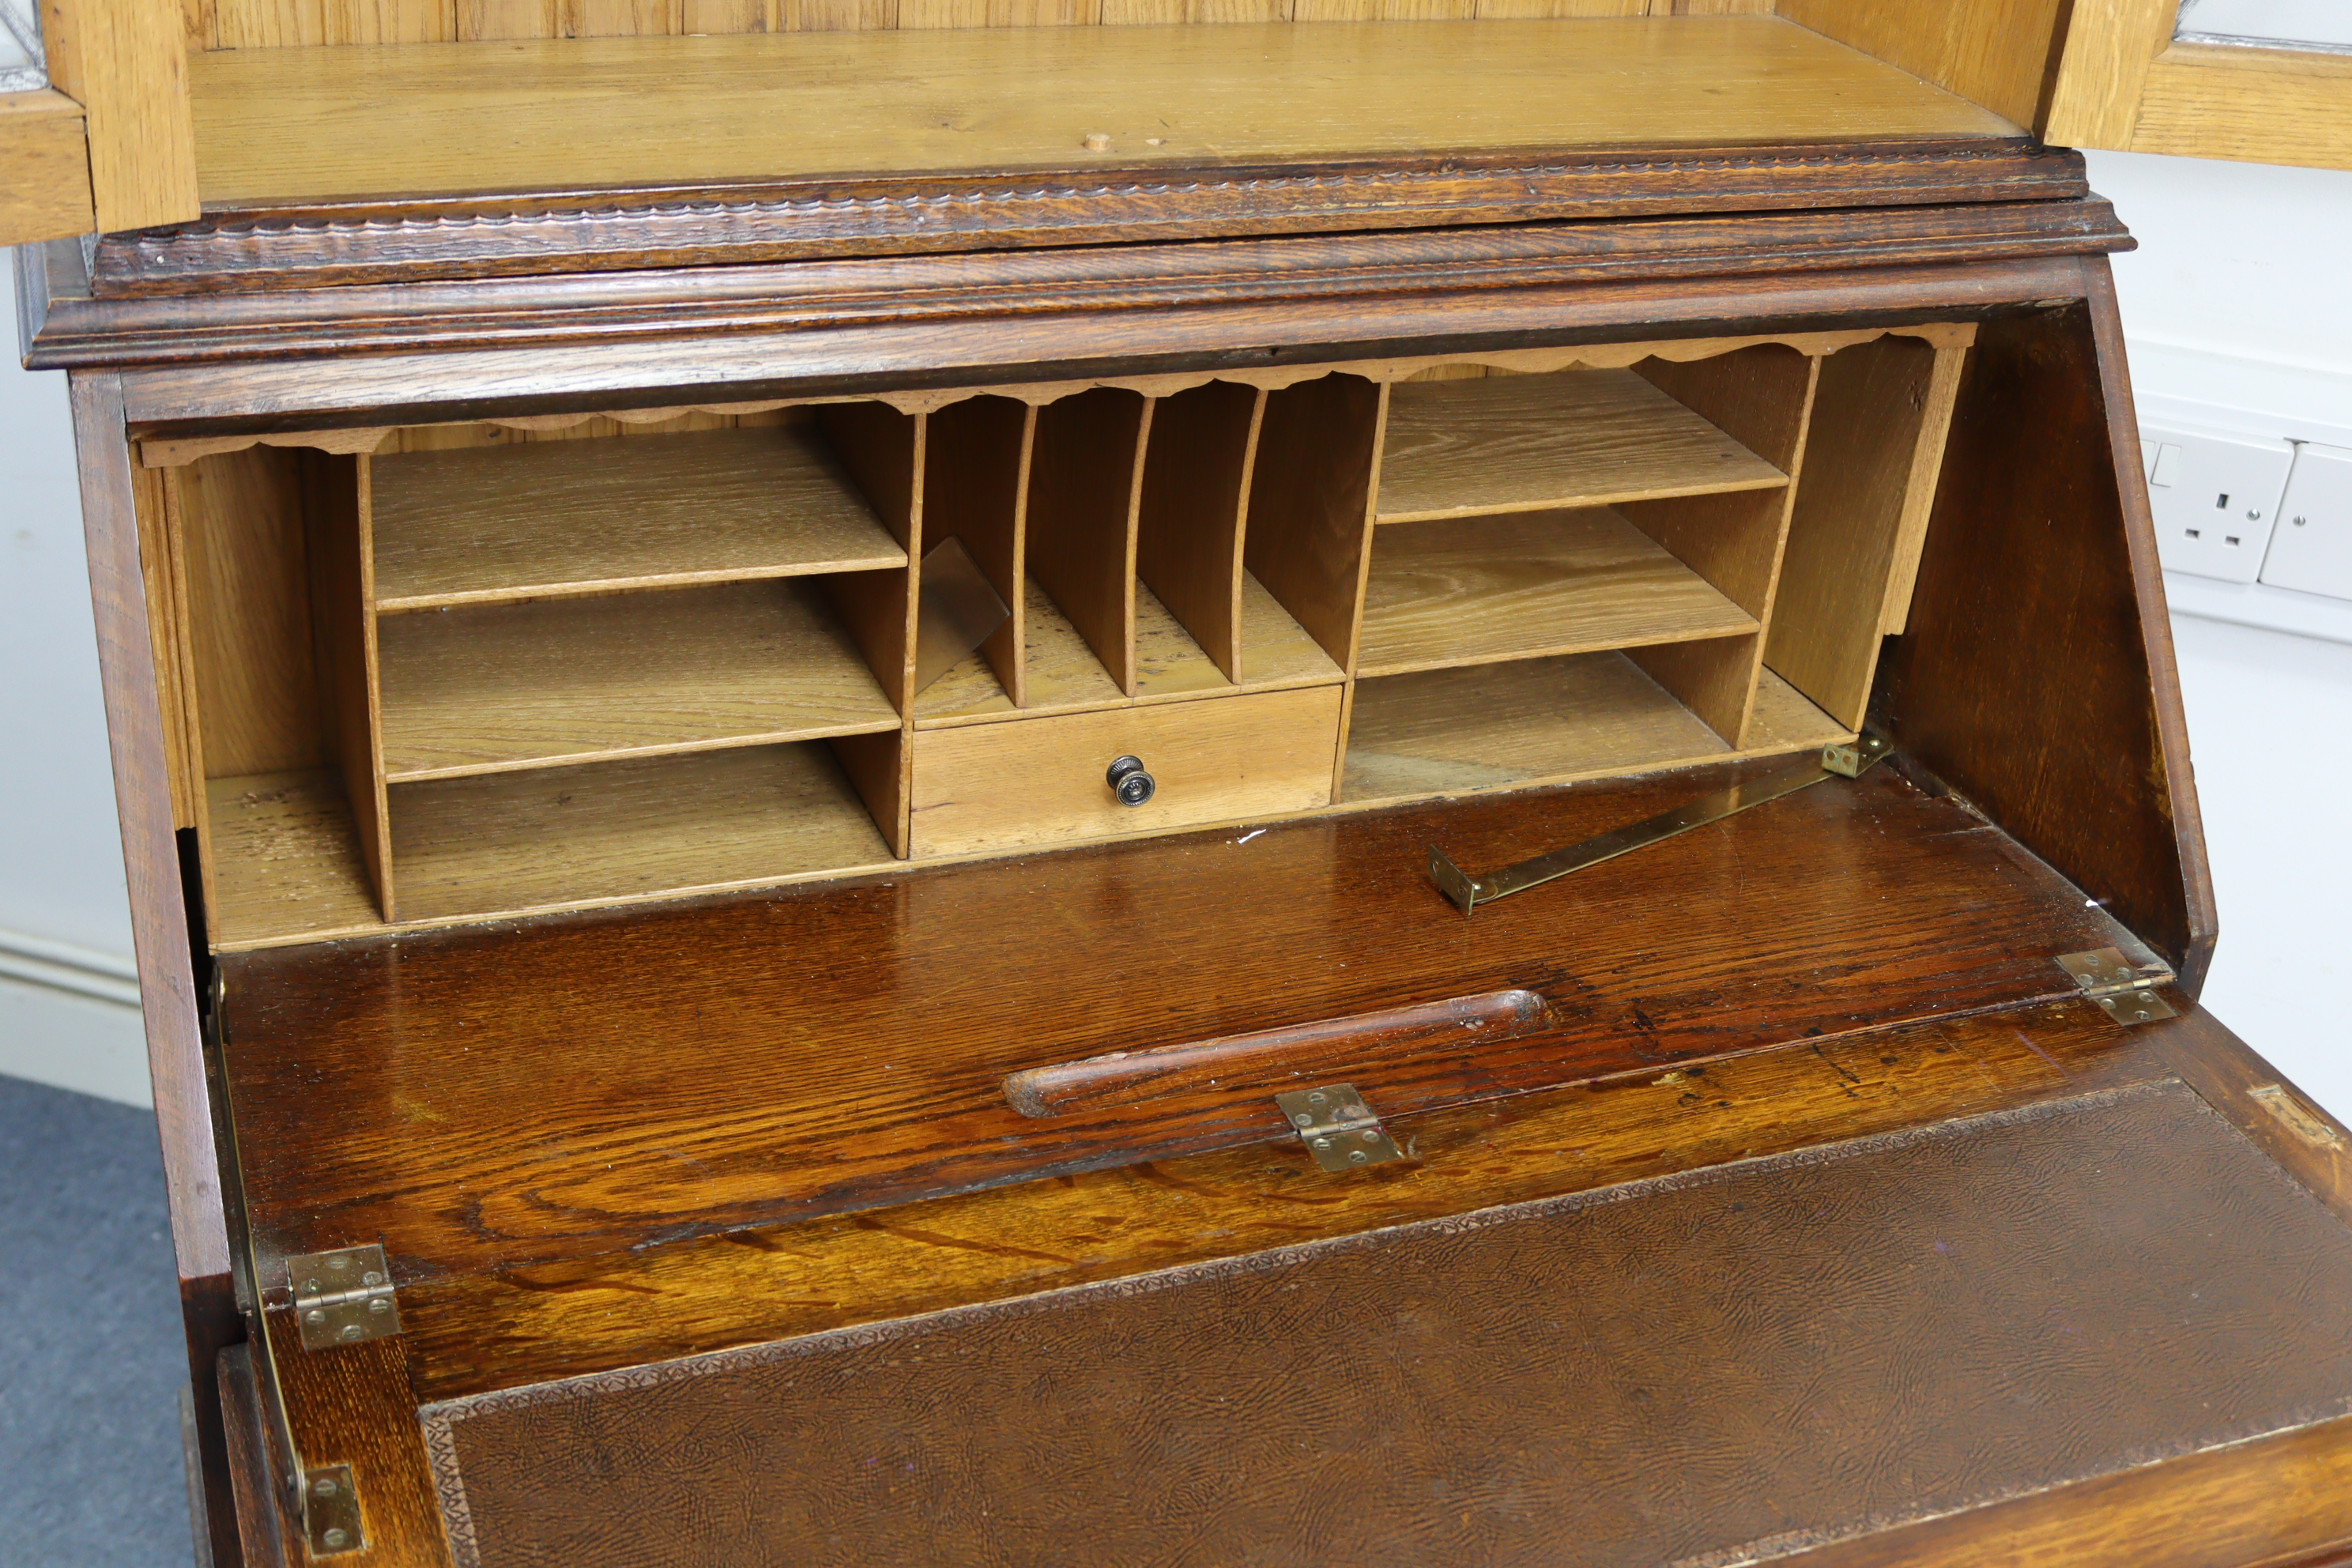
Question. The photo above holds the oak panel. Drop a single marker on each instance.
(1583, 716)
(1525, 585)
(308, 125)
(1042, 781)
(44, 168)
(481, 1332)
(493, 523)
(617, 830)
(1529, 443)
(286, 860)
(841, 1045)
(484, 688)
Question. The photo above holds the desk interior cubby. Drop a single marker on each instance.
(439, 673)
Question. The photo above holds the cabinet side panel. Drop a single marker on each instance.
(2036, 674)
(1846, 528)
(159, 922)
(2002, 53)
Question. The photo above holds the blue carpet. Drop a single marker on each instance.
(91, 1361)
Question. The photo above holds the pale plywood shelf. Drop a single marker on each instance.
(285, 861)
(699, 822)
(1275, 651)
(1547, 722)
(1064, 676)
(1571, 439)
(491, 524)
(1063, 673)
(485, 688)
(317, 124)
(1475, 590)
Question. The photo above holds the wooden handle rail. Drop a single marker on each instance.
(1127, 1078)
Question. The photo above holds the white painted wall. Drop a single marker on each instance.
(67, 1006)
(2240, 296)
(2239, 301)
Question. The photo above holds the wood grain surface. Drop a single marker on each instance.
(1169, 664)
(820, 1048)
(1298, 1057)
(491, 688)
(863, 351)
(975, 490)
(1473, 590)
(1882, 1332)
(616, 830)
(44, 168)
(1999, 53)
(1085, 486)
(1973, 688)
(248, 583)
(582, 113)
(125, 62)
(1196, 480)
(266, 291)
(287, 861)
(1846, 528)
(1505, 725)
(472, 1334)
(1309, 525)
(1041, 780)
(161, 925)
(1575, 438)
(497, 524)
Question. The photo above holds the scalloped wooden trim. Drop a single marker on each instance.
(164, 454)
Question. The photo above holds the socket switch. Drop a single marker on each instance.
(2312, 549)
(2215, 496)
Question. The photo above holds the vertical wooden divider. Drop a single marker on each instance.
(1194, 512)
(1846, 540)
(884, 452)
(1086, 489)
(1927, 472)
(1307, 536)
(976, 457)
(338, 519)
(1763, 397)
(176, 531)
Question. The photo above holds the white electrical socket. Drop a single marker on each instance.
(2312, 549)
(2215, 496)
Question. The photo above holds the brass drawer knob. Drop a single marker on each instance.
(1129, 782)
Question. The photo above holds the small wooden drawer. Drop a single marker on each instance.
(1041, 780)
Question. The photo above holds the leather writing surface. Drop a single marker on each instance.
(1698, 1371)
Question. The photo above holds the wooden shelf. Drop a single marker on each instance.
(482, 689)
(1575, 438)
(566, 836)
(285, 861)
(1545, 721)
(322, 124)
(1475, 590)
(491, 524)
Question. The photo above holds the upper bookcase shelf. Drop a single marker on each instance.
(277, 126)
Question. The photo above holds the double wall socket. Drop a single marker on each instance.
(2312, 549)
(2215, 496)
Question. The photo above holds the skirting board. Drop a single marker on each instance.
(73, 1041)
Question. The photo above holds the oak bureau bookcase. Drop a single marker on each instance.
(1274, 783)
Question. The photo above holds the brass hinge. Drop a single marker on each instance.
(343, 1297)
(1337, 1127)
(330, 1511)
(2128, 995)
